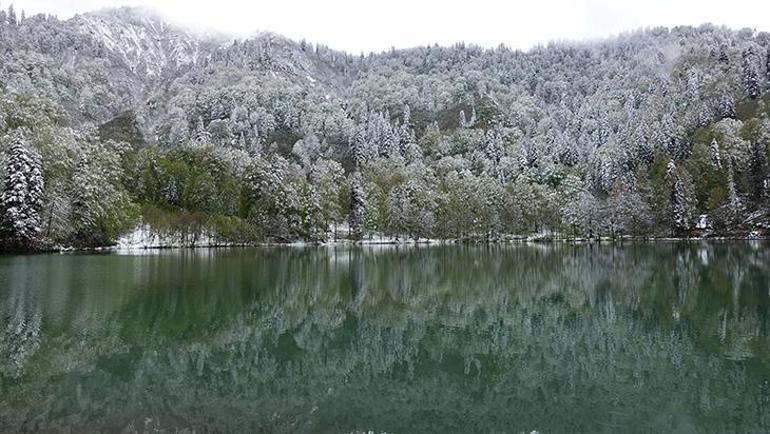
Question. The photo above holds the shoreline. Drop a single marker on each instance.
(389, 242)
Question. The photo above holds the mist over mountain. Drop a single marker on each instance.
(132, 119)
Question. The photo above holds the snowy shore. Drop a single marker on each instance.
(144, 238)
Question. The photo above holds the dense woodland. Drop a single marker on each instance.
(114, 120)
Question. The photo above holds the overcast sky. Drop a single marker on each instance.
(357, 26)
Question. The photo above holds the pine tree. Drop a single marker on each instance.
(202, 136)
(358, 205)
(85, 203)
(389, 144)
(750, 76)
(360, 146)
(626, 211)
(725, 105)
(583, 214)
(405, 133)
(12, 16)
(22, 197)
(644, 148)
(400, 203)
(679, 146)
(758, 169)
(723, 57)
(307, 150)
(767, 65)
(327, 177)
(57, 205)
(493, 145)
(734, 209)
(694, 83)
(716, 158)
(680, 201)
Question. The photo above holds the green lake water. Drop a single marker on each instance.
(665, 337)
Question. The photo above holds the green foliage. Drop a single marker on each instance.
(30, 113)
(123, 128)
(452, 142)
(101, 207)
(281, 202)
(751, 109)
(710, 184)
(194, 179)
(189, 225)
(652, 185)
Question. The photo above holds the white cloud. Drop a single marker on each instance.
(374, 26)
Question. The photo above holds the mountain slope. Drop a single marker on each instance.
(145, 44)
(432, 141)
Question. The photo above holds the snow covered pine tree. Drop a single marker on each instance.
(358, 200)
(679, 200)
(22, 197)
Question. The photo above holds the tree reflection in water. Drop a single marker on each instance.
(659, 337)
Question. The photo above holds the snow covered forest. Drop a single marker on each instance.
(115, 120)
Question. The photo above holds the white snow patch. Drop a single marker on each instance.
(704, 222)
(144, 237)
(149, 48)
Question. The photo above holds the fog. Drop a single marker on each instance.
(357, 26)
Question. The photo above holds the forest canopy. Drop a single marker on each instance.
(658, 132)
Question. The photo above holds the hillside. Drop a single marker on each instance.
(657, 132)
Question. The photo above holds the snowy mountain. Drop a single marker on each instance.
(146, 45)
(120, 57)
(454, 141)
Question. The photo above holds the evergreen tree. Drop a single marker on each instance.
(327, 177)
(583, 214)
(725, 105)
(679, 145)
(681, 201)
(21, 200)
(12, 16)
(715, 154)
(57, 206)
(359, 147)
(400, 204)
(626, 211)
(405, 133)
(750, 76)
(85, 203)
(307, 150)
(358, 206)
(734, 208)
(493, 145)
(758, 170)
(473, 119)
(767, 65)
(101, 209)
(202, 136)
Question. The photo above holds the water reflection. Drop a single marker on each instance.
(664, 337)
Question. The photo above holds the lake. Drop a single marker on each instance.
(668, 337)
